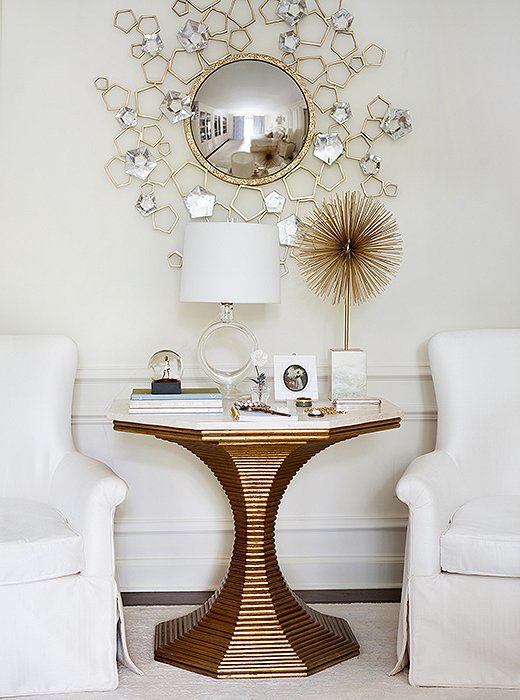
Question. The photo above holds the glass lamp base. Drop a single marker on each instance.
(226, 380)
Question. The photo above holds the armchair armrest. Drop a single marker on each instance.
(432, 489)
(87, 492)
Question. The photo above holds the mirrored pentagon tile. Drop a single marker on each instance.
(289, 41)
(176, 106)
(274, 202)
(342, 20)
(146, 204)
(340, 112)
(328, 147)
(140, 162)
(200, 202)
(289, 230)
(126, 117)
(291, 11)
(193, 36)
(370, 164)
(396, 123)
(152, 44)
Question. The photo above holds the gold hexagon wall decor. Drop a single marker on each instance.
(101, 83)
(155, 69)
(126, 140)
(377, 107)
(239, 39)
(151, 134)
(125, 20)
(190, 64)
(181, 7)
(256, 203)
(115, 169)
(328, 59)
(314, 30)
(165, 219)
(116, 96)
(148, 24)
(175, 259)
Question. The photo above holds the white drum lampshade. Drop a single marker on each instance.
(231, 262)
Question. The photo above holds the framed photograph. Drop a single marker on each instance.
(294, 376)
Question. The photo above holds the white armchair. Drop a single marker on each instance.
(60, 612)
(460, 609)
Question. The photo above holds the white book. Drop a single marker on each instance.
(197, 403)
(173, 411)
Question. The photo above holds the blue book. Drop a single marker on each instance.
(191, 394)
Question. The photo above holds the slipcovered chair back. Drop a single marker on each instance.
(476, 375)
(36, 381)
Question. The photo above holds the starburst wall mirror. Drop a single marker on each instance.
(216, 130)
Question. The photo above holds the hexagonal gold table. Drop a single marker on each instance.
(254, 625)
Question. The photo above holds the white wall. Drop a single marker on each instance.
(76, 258)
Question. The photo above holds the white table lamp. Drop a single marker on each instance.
(230, 263)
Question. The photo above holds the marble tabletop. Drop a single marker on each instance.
(118, 412)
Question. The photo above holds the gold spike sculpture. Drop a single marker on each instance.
(350, 250)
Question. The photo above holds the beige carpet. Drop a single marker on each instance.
(362, 678)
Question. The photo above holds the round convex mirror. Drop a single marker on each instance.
(253, 121)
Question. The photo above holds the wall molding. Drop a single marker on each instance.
(160, 570)
(97, 386)
(169, 526)
(376, 371)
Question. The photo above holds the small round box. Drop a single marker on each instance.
(303, 402)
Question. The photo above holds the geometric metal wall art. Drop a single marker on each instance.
(317, 42)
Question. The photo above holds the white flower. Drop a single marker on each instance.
(259, 358)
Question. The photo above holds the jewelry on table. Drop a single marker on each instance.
(315, 413)
(325, 410)
(254, 406)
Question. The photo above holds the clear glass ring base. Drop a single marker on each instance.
(227, 380)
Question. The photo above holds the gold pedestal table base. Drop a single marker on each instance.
(254, 626)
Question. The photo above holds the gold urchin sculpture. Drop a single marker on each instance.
(350, 250)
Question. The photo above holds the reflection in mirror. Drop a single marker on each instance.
(251, 121)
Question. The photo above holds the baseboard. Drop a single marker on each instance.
(353, 595)
(163, 573)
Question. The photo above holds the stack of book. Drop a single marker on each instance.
(188, 401)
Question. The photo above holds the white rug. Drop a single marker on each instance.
(362, 678)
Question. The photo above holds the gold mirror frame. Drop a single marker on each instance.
(283, 172)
